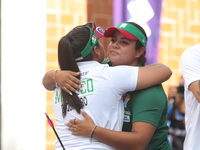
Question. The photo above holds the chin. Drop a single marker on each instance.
(114, 62)
(113, 57)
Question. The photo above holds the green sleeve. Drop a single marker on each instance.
(149, 105)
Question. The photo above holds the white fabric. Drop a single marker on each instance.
(103, 99)
(190, 63)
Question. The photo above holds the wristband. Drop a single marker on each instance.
(91, 134)
(54, 77)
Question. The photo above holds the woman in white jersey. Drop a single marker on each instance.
(190, 65)
(81, 51)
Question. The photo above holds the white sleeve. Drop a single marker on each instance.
(124, 78)
(190, 65)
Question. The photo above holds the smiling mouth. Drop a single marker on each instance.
(113, 53)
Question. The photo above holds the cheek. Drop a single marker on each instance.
(128, 52)
(128, 55)
(109, 47)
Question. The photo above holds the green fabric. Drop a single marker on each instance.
(134, 31)
(107, 61)
(149, 105)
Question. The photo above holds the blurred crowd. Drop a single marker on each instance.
(176, 115)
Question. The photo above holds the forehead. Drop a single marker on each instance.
(117, 34)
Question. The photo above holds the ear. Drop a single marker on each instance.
(96, 51)
(140, 52)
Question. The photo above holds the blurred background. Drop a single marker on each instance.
(30, 31)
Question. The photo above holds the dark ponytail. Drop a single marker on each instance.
(69, 48)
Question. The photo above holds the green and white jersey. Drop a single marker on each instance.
(102, 97)
(148, 105)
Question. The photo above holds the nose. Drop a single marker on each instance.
(115, 45)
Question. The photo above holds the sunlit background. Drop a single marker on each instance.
(30, 30)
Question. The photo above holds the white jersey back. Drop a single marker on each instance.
(102, 98)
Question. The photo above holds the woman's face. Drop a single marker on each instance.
(121, 50)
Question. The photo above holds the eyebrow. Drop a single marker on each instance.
(123, 38)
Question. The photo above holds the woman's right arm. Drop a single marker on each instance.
(137, 139)
(151, 75)
(195, 88)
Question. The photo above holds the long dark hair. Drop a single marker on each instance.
(69, 48)
(142, 59)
